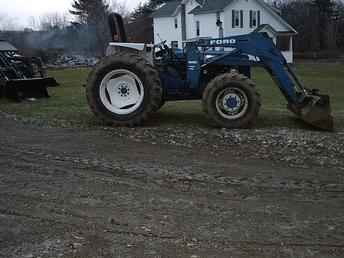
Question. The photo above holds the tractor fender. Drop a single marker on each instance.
(136, 46)
(141, 49)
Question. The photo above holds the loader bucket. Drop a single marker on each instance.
(317, 112)
(19, 89)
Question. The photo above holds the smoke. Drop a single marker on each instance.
(8, 23)
(74, 39)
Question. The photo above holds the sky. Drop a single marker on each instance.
(21, 10)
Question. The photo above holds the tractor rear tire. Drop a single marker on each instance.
(116, 83)
(231, 101)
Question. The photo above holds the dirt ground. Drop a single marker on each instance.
(88, 193)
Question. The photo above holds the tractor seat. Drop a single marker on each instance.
(118, 33)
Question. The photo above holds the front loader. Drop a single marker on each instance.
(22, 77)
(135, 80)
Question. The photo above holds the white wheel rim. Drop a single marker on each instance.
(232, 103)
(121, 92)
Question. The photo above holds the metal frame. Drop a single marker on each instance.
(19, 79)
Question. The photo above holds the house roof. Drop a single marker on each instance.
(167, 10)
(270, 28)
(5, 46)
(213, 6)
(210, 6)
(277, 15)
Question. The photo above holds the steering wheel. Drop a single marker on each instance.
(161, 45)
(163, 49)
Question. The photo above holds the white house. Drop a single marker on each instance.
(179, 20)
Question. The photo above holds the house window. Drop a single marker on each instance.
(283, 43)
(237, 18)
(198, 28)
(176, 23)
(254, 19)
(174, 44)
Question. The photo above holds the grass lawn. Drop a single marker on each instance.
(68, 106)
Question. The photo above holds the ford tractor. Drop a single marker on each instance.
(134, 80)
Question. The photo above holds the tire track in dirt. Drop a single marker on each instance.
(185, 178)
(184, 206)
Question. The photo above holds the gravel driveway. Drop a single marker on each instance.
(170, 192)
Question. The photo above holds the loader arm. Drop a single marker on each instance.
(258, 49)
(264, 53)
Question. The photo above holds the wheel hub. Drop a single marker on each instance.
(122, 92)
(232, 103)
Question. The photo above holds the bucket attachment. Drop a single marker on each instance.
(316, 111)
(19, 89)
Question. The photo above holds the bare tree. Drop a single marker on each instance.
(33, 23)
(119, 7)
(319, 23)
(52, 21)
(93, 15)
(7, 23)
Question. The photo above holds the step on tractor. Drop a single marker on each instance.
(135, 80)
(22, 77)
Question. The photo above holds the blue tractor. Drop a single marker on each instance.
(135, 80)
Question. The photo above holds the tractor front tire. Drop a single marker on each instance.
(231, 101)
(124, 90)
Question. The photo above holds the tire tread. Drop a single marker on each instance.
(151, 78)
(217, 83)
